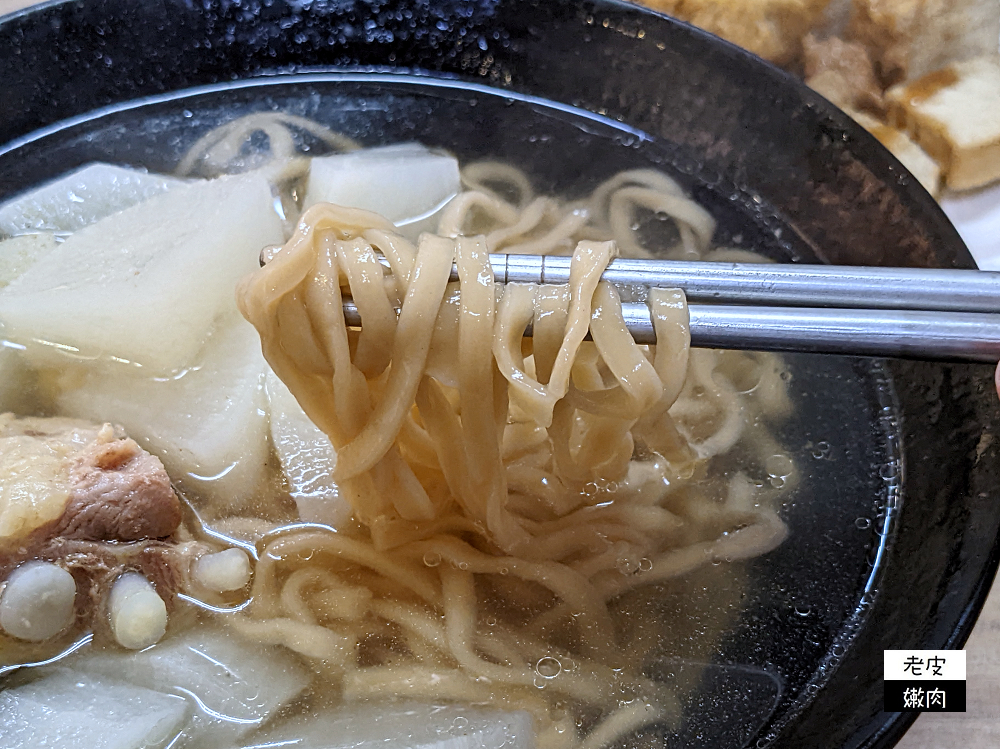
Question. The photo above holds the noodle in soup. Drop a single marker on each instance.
(503, 495)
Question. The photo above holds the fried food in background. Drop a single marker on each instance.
(954, 114)
(843, 72)
(911, 38)
(772, 29)
(923, 76)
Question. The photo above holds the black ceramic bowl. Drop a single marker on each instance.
(894, 528)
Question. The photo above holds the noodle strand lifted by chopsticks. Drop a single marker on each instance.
(508, 487)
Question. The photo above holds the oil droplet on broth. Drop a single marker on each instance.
(863, 524)
(548, 667)
(779, 466)
(432, 559)
(822, 450)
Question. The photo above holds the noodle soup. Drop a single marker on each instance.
(540, 541)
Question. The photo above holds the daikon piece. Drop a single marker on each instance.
(146, 285)
(209, 426)
(235, 686)
(70, 710)
(17, 254)
(37, 601)
(408, 725)
(406, 183)
(17, 385)
(307, 458)
(81, 198)
(138, 614)
(18, 380)
(223, 571)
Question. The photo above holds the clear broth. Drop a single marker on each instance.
(750, 643)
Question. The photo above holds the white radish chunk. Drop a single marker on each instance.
(208, 426)
(70, 710)
(146, 285)
(18, 380)
(406, 183)
(16, 376)
(407, 725)
(37, 601)
(223, 571)
(235, 686)
(81, 198)
(17, 254)
(138, 614)
(307, 458)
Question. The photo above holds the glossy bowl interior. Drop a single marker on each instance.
(893, 527)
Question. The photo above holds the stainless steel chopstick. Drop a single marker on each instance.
(832, 286)
(909, 334)
(919, 313)
(781, 285)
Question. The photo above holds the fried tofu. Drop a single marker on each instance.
(954, 115)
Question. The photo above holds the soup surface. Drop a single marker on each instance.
(376, 623)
